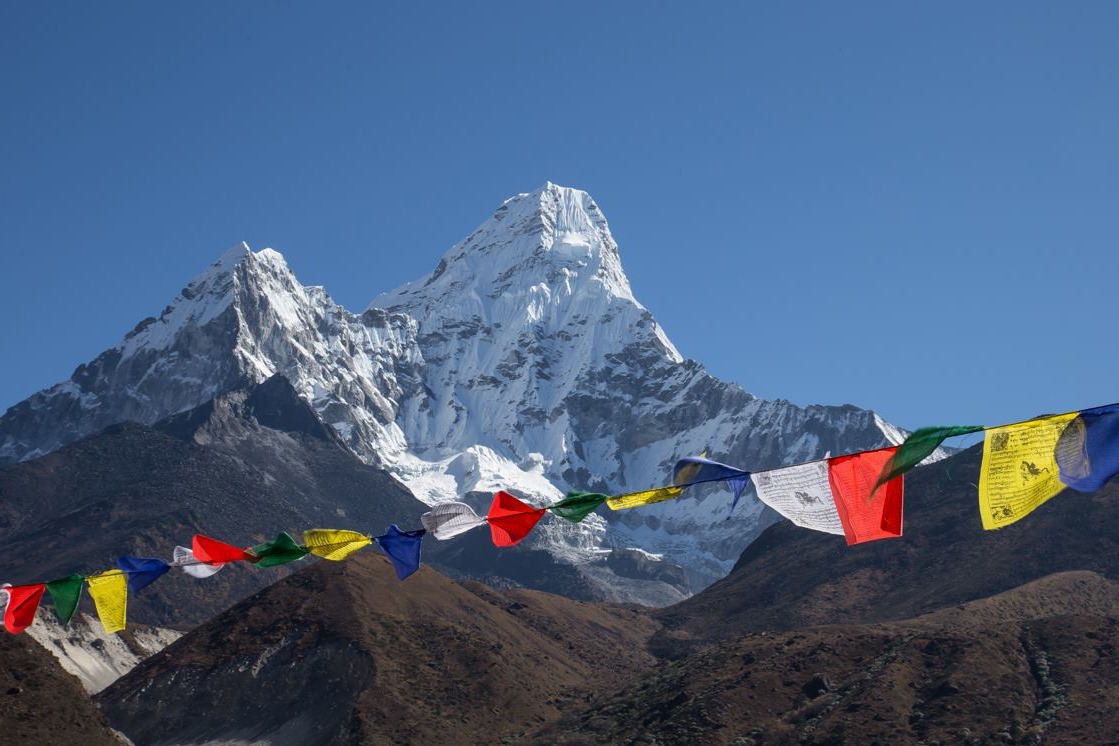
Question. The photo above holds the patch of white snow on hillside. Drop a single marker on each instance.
(85, 650)
(477, 469)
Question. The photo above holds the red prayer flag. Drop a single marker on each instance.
(214, 552)
(23, 600)
(510, 519)
(866, 514)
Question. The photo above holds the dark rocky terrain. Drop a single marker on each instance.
(345, 653)
(42, 705)
(1033, 665)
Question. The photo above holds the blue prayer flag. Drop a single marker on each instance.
(1088, 449)
(141, 571)
(402, 549)
(738, 484)
(697, 470)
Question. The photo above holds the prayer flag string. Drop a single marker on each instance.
(857, 495)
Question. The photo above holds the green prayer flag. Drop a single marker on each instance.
(65, 593)
(918, 446)
(279, 551)
(577, 505)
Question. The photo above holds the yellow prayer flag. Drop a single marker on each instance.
(647, 497)
(1019, 470)
(109, 591)
(334, 544)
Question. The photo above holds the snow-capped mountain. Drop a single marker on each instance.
(522, 361)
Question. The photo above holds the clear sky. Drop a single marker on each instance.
(910, 207)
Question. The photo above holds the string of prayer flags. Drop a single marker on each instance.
(65, 594)
(402, 549)
(1088, 450)
(142, 571)
(109, 591)
(448, 520)
(23, 602)
(837, 496)
(918, 446)
(191, 565)
(333, 543)
(1020, 470)
(280, 551)
(699, 470)
(510, 519)
(577, 505)
(214, 552)
(859, 496)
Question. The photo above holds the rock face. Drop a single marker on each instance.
(523, 361)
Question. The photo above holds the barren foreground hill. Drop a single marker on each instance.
(345, 653)
(1034, 665)
(42, 705)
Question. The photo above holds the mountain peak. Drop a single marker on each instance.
(236, 256)
(557, 201)
(209, 294)
(571, 219)
(231, 258)
(565, 217)
(543, 246)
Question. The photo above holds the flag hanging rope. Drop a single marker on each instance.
(857, 495)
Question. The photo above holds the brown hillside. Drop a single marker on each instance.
(1035, 665)
(343, 652)
(42, 705)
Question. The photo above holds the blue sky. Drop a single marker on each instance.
(910, 208)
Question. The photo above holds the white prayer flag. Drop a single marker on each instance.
(450, 519)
